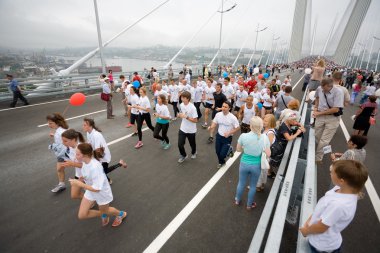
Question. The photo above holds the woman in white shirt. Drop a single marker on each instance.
(99, 144)
(58, 125)
(133, 101)
(71, 139)
(162, 121)
(97, 189)
(144, 115)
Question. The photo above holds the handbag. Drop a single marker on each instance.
(264, 161)
(105, 96)
(372, 120)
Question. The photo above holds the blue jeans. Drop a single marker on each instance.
(314, 250)
(364, 98)
(245, 170)
(222, 145)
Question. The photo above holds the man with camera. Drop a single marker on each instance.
(329, 103)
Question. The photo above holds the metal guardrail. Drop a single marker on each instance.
(288, 163)
(56, 85)
(273, 242)
(309, 191)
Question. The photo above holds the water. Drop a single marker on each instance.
(127, 64)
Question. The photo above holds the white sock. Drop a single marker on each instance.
(61, 183)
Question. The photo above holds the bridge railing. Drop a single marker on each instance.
(55, 85)
(291, 184)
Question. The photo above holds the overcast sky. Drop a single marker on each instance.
(71, 23)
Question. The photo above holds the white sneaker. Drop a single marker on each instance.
(59, 188)
(193, 156)
(182, 159)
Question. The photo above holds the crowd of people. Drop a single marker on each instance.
(261, 112)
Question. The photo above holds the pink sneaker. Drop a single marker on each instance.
(129, 125)
(139, 144)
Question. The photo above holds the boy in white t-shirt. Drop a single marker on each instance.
(335, 211)
(188, 127)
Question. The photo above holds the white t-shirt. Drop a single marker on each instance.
(188, 79)
(370, 90)
(336, 210)
(268, 101)
(201, 84)
(97, 140)
(134, 100)
(226, 122)
(209, 93)
(162, 110)
(58, 135)
(240, 95)
(165, 88)
(144, 102)
(173, 91)
(198, 92)
(156, 93)
(94, 176)
(228, 91)
(235, 85)
(186, 125)
(127, 92)
(78, 171)
(248, 113)
(256, 95)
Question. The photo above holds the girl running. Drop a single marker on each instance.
(144, 115)
(133, 100)
(58, 125)
(97, 189)
(71, 139)
(98, 143)
(208, 100)
(173, 94)
(162, 122)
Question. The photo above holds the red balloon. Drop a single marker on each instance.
(77, 99)
(260, 76)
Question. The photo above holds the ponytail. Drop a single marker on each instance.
(91, 123)
(58, 119)
(72, 134)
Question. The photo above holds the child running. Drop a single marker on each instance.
(144, 115)
(335, 211)
(162, 122)
(58, 124)
(99, 144)
(97, 189)
(71, 139)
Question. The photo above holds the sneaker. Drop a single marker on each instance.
(167, 146)
(210, 140)
(174, 119)
(134, 134)
(139, 144)
(193, 156)
(110, 181)
(129, 125)
(123, 164)
(250, 207)
(59, 188)
(219, 166)
(204, 125)
(119, 219)
(163, 143)
(182, 159)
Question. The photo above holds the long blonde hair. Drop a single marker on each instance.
(256, 125)
(321, 63)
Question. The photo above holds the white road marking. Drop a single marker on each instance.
(124, 137)
(77, 116)
(294, 87)
(165, 235)
(45, 103)
(368, 185)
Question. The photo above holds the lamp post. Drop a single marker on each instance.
(221, 26)
(257, 35)
(377, 60)
(370, 51)
(270, 51)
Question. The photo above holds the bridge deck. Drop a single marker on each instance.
(154, 189)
